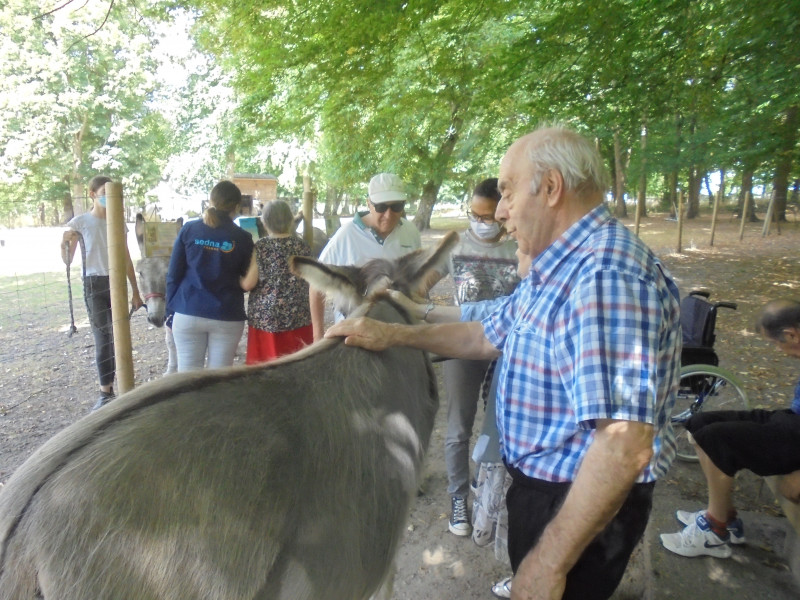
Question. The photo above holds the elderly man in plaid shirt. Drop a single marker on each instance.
(590, 358)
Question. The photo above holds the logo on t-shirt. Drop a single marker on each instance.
(212, 245)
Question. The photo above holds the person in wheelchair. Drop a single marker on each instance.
(767, 442)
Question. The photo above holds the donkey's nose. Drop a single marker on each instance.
(155, 320)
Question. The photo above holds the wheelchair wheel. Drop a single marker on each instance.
(703, 387)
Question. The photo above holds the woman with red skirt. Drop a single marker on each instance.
(278, 314)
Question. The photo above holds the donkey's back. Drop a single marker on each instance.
(286, 481)
(290, 481)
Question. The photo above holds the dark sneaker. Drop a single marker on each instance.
(735, 526)
(105, 398)
(459, 519)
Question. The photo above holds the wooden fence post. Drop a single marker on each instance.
(745, 209)
(117, 277)
(768, 218)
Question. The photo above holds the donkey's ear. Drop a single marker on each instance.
(430, 266)
(139, 228)
(338, 283)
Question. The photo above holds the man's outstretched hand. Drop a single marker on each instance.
(363, 332)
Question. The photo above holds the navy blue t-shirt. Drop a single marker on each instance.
(204, 271)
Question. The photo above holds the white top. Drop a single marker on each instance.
(95, 237)
(355, 243)
(483, 270)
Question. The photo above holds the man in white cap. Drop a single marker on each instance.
(380, 232)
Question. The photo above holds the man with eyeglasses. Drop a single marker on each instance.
(380, 232)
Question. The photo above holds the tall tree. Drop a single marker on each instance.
(74, 87)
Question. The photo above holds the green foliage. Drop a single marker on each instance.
(434, 90)
(75, 86)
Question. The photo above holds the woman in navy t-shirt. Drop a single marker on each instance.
(205, 287)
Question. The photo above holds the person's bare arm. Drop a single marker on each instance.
(316, 301)
(789, 486)
(136, 299)
(428, 312)
(453, 340)
(249, 280)
(619, 452)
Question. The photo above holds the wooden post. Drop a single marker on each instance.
(117, 276)
(745, 208)
(680, 222)
(768, 218)
(308, 211)
(717, 200)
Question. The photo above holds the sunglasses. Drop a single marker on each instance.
(382, 207)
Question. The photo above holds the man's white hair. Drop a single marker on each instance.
(560, 148)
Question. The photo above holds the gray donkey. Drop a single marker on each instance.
(152, 279)
(285, 481)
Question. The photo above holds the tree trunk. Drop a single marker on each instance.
(783, 166)
(332, 222)
(693, 200)
(641, 201)
(619, 179)
(747, 188)
(440, 168)
(66, 209)
(430, 193)
(672, 189)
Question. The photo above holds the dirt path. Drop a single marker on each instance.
(48, 382)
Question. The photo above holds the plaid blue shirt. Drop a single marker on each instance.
(592, 333)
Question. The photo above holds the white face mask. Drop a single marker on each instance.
(485, 231)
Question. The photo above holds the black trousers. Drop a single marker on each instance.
(764, 441)
(532, 504)
(97, 294)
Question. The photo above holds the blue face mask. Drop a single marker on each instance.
(101, 200)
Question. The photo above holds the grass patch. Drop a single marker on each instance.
(456, 223)
(25, 298)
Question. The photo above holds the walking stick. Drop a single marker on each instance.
(66, 244)
(72, 328)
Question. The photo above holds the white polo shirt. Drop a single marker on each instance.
(355, 243)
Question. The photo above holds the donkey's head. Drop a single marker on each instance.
(350, 287)
(152, 277)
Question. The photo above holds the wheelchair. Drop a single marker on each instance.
(703, 384)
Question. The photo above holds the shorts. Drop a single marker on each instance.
(766, 442)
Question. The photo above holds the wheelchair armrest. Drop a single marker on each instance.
(702, 293)
(731, 305)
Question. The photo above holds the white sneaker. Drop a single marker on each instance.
(735, 526)
(696, 539)
(459, 519)
(502, 589)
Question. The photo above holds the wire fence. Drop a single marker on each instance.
(38, 356)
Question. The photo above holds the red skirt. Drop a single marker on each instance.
(263, 346)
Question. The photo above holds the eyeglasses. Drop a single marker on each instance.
(480, 218)
(382, 207)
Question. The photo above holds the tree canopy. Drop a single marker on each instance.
(432, 90)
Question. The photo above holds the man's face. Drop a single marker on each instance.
(525, 214)
(386, 221)
(790, 344)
